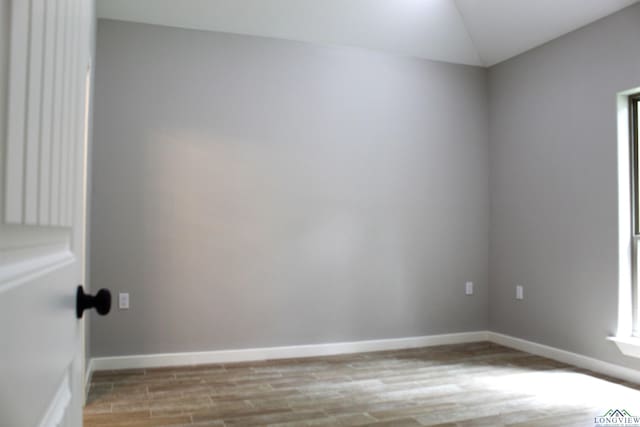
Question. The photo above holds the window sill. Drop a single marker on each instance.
(629, 346)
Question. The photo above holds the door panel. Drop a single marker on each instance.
(45, 48)
(43, 122)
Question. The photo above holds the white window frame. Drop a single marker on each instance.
(634, 146)
(627, 337)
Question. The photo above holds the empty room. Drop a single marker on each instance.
(319, 213)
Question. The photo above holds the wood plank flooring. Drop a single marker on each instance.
(478, 384)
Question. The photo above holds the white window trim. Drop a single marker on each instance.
(624, 338)
(629, 346)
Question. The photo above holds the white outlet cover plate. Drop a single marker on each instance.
(519, 292)
(123, 301)
(468, 288)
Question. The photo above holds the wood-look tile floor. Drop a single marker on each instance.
(478, 384)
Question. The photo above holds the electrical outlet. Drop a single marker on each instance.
(519, 292)
(123, 301)
(468, 290)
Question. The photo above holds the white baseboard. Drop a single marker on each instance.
(567, 357)
(256, 354)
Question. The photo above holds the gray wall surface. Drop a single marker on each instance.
(251, 192)
(553, 184)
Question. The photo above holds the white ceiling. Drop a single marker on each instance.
(475, 32)
(501, 29)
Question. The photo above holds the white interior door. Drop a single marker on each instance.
(45, 51)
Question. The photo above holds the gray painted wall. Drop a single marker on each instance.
(251, 192)
(553, 187)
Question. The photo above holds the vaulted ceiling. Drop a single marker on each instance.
(474, 32)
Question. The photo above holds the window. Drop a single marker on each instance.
(634, 119)
(627, 337)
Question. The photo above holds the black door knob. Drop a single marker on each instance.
(101, 301)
